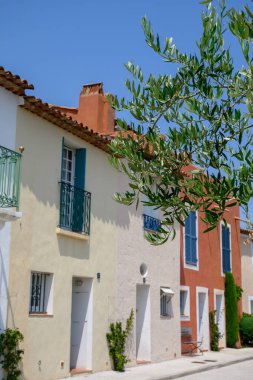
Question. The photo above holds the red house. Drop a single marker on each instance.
(205, 257)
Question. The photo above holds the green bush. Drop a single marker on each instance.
(10, 353)
(116, 339)
(246, 329)
(232, 323)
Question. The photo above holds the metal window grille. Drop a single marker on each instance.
(38, 291)
(150, 223)
(10, 164)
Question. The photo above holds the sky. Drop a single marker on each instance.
(59, 45)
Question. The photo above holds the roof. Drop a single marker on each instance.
(245, 231)
(13, 82)
(65, 122)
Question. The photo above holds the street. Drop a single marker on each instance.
(238, 371)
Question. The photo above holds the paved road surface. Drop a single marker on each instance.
(240, 371)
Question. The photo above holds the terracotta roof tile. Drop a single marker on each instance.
(65, 122)
(13, 82)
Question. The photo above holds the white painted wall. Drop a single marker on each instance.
(163, 264)
(8, 117)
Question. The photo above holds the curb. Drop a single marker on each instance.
(204, 369)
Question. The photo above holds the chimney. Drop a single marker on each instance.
(94, 110)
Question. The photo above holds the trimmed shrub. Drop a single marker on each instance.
(246, 329)
(232, 323)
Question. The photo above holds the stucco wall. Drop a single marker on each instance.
(36, 247)
(209, 274)
(247, 273)
(8, 112)
(163, 271)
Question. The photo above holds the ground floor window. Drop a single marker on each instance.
(165, 301)
(185, 303)
(41, 293)
(251, 305)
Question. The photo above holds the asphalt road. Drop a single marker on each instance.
(240, 371)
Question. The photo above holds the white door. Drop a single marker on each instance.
(220, 317)
(79, 326)
(203, 318)
(143, 339)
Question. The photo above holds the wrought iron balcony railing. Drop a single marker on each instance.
(10, 165)
(150, 223)
(74, 208)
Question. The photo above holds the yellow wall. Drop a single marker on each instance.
(36, 246)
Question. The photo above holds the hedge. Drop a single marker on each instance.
(232, 323)
(246, 329)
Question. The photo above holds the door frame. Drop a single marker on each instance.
(86, 287)
(199, 290)
(148, 321)
(219, 292)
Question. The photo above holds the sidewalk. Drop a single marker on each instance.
(177, 368)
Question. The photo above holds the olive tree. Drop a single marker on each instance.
(204, 160)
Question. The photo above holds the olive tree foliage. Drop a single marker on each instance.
(204, 161)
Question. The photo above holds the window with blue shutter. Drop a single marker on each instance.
(191, 239)
(226, 264)
(74, 200)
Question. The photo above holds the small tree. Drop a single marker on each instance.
(116, 339)
(10, 353)
(232, 322)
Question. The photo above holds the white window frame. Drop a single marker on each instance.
(188, 266)
(231, 267)
(167, 300)
(250, 299)
(68, 148)
(187, 315)
(47, 294)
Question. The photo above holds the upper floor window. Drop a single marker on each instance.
(190, 239)
(74, 200)
(225, 248)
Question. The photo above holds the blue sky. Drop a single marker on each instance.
(59, 45)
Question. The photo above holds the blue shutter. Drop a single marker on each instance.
(191, 239)
(188, 240)
(80, 168)
(226, 265)
(62, 153)
(79, 199)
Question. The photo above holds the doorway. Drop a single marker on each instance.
(143, 323)
(203, 318)
(219, 306)
(81, 324)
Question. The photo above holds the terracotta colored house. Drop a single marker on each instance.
(205, 257)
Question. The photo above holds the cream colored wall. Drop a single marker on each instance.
(247, 273)
(163, 271)
(35, 246)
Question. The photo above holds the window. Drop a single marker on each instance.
(74, 200)
(165, 302)
(250, 303)
(151, 215)
(41, 293)
(225, 248)
(190, 239)
(185, 303)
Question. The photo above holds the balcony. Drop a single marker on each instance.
(150, 223)
(74, 209)
(10, 165)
